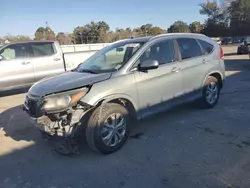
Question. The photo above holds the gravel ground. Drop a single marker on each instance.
(184, 147)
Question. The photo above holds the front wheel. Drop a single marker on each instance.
(210, 92)
(108, 128)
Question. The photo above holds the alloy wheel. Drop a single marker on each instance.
(113, 130)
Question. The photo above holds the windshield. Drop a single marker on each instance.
(110, 58)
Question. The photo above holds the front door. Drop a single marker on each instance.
(15, 67)
(158, 88)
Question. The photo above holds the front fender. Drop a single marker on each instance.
(119, 87)
(108, 98)
(132, 104)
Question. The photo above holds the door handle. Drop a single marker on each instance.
(25, 63)
(57, 59)
(175, 69)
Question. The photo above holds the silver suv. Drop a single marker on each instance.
(129, 79)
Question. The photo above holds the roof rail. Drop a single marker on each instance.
(173, 34)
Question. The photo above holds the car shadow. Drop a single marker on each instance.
(16, 124)
(242, 65)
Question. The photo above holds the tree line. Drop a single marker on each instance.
(230, 18)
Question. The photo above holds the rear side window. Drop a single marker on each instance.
(207, 48)
(42, 49)
(189, 48)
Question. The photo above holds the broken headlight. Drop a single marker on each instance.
(62, 101)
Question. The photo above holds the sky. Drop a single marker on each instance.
(23, 17)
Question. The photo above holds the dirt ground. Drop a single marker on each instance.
(184, 147)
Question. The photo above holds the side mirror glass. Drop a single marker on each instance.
(148, 65)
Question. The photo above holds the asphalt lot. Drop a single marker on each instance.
(185, 147)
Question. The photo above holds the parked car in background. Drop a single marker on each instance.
(244, 47)
(130, 79)
(230, 40)
(241, 40)
(224, 41)
(236, 41)
(24, 63)
(218, 42)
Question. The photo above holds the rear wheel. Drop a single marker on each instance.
(108, 128)
(210, 93)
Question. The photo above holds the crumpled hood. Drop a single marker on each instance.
(66, 81)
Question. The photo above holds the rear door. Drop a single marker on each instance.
(46, 60)
(15, 68)
(191, 60)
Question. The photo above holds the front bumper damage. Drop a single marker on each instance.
(61, 129)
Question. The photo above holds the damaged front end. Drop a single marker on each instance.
(59, 117)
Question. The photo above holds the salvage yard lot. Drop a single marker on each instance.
(184, 147)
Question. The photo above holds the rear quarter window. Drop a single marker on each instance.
(207, 47)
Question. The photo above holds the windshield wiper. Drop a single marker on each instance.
(88, 71)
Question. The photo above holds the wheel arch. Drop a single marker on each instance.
(121, 99)
(215, 74)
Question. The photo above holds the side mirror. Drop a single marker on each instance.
(148, 65)
(1, 58)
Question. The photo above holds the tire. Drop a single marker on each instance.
(95, 128)
(205, 102)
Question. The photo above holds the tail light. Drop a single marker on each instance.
(221, 53)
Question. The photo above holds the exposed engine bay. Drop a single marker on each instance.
(61, 128)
